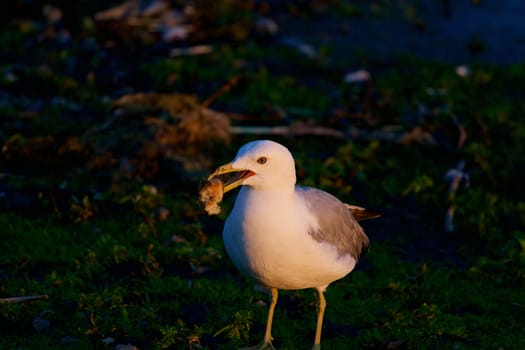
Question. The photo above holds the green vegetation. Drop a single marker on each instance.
(99, 206)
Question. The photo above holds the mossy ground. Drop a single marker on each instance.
(81, 228)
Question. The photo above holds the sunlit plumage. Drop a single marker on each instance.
(286, 236)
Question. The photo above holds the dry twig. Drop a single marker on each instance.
(388, 133)
(18, 300)
(454, 177)
(223, 89)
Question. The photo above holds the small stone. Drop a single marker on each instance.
(40, 324)
(65, 340)
(463, 71)
(126, 347)
(359, 76)
(163, 214)
(108, 340)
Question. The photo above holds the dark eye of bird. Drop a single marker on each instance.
(262, 160)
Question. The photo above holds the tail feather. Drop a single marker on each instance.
(360, 213)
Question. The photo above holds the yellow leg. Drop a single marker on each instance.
(268, 333)
(266, 344)
(320, 316)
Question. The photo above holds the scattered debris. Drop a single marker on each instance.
(176, 33)
(305, 49)
(359, 76)
(192, 51)
(145, 21)
(18, 300)
(394, 344)
(177, 127)
(223, 89)
(463, 71)
(266, 25)
(126, 347)
(126, 9)
(108, 340)
(395, 134)
(431, 91)
(68, 340)
(454, 177)
(53, 14)
(163, 214)
(295, 129)
(40, 324)
(156, 21)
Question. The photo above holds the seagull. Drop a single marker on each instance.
(286, 236)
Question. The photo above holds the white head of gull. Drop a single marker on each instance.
(286, 236)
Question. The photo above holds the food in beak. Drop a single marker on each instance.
(216, 186)
(210, 195)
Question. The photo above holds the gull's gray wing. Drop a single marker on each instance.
(337, 226)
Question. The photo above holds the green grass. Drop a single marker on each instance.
(108, 280)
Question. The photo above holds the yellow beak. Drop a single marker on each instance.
(234, 182)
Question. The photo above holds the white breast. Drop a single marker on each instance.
(266, 237)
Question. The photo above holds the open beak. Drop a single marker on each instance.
(234, 182)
